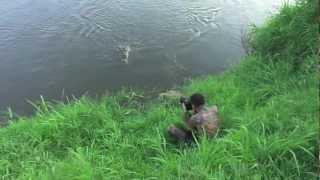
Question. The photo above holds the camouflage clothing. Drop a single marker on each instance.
(205, 121)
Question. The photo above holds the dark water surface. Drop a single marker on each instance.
(63, 47)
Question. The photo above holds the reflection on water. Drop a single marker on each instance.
(77, 46)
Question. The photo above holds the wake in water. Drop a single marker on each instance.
(203, 16)
(201, 22)
(195, 33)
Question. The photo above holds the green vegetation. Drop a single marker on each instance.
(268, 104)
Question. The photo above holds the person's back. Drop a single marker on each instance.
(206, 121)
(202, 121)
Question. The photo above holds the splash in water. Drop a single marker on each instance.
(124, 52)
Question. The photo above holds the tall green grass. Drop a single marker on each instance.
(268, 104)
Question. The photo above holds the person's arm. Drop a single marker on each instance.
(191, 122)
(186, 116)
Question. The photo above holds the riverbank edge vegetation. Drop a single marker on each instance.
(268, 103)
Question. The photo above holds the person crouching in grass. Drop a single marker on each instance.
(199, 120)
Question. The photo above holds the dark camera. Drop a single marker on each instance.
(187, 104)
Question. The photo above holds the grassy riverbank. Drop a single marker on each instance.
(268, 103)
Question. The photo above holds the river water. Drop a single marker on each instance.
(55, 48)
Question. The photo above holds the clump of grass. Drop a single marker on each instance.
(268, 105)
(289, 35)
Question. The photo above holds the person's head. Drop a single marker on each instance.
(197, 100)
